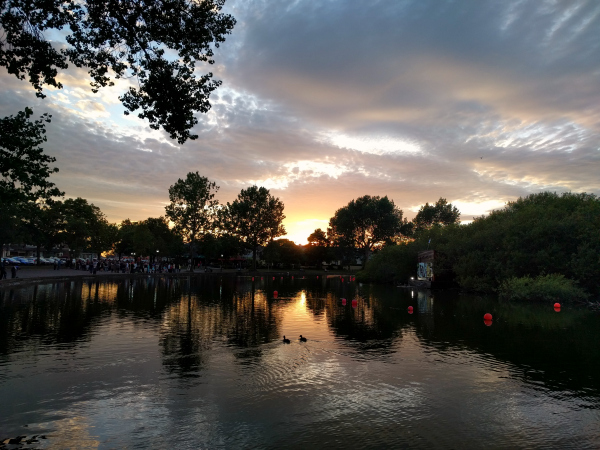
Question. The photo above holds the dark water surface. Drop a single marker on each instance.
(199, 363)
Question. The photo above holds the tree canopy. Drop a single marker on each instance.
(193, 207)
(24, 168)
(85, 227)
(24, 171)
(442, 213)
(255, 217)
(365, 223)
(157, 42)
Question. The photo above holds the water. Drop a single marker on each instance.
(200, 363)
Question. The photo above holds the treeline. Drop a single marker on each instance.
(545, 245)
(31, 209)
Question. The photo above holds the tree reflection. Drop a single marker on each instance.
(209, 313)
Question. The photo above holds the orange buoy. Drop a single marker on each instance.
(557, 305)
(487, 316)
(275, 294)
(488, 323)
(344, 301)
(354, 303)
(410, 309)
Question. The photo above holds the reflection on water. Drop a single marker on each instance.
(199, 362)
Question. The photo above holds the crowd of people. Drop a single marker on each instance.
(126, 266)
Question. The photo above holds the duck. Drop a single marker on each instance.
(303, 339)
(285, 341)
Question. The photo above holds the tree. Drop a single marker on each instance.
(283, 251)
(42, 224)
(318, 248)
(85, 227)
(193, 208)
(158, 42)
(440, 214)
(255, 217)
(164, 239)
(318, 238)
(24, 170)
(365, 223)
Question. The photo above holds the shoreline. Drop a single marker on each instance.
(35, 275)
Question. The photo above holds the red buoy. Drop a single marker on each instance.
(273, 278)
(252, 278)
(557, 305)
(344, 301)
(487, 316)
(354, 303)
(488, 323)
(275, 294)
(410, 309)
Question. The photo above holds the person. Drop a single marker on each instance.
(2, 272)
(13, 272)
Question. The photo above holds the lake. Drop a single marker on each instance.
(199, 362)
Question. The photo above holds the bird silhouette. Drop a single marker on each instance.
(303, 339)
(286, 341)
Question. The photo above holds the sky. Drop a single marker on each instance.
(479, 102)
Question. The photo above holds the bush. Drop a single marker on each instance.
(393, 263)
(551, 287)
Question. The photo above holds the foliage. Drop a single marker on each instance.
(41, 224)
(283, 251)
(394, 263)
(193, 208)
(366, 223)
(440, 214)
(158, 42)
(151, 237)
(24, 170)
(318, 249)
(85, 227)
(551, 287)
(318, 238)
(543, 233)
(255, 217)
(216, 246)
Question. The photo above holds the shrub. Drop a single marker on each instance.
(393, 263)
(551, 287)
